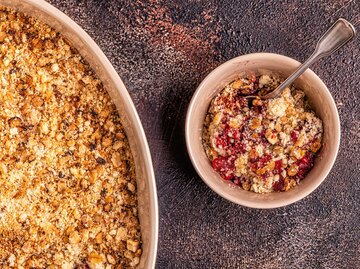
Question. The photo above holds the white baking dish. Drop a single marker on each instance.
(148, 207)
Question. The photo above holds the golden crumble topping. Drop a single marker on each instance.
(262, 146)
(67, 179)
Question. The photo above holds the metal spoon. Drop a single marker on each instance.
(340, 33)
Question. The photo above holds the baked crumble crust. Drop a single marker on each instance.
(67, 179)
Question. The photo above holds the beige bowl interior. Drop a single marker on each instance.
(320, 99)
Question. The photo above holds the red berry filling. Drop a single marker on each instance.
(256, 143)
(224, 166)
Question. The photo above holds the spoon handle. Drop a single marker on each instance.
(337, 36)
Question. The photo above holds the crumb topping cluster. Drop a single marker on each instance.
(67, 179)
(263, 146)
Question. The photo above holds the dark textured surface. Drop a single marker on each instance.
(162, 50)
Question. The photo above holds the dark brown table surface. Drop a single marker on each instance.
(162, 50)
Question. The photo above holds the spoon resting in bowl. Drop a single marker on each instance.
(340, 33)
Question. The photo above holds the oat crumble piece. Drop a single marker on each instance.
(67, 179)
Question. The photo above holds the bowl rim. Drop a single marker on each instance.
(237, 199)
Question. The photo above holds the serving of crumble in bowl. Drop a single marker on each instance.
(262, 153)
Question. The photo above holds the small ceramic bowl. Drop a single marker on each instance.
(319, 98)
